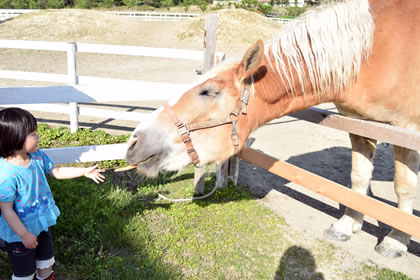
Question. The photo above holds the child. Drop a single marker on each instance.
(26, 202)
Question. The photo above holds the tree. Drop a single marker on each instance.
(19, 4)
(266, 9)
(107, 3)
(55, 4)
(130, 3)
(6, 4)
(167, 4)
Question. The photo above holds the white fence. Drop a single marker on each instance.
(155, 16)
(89, 89)
(145, 16)
(15, 12)
(281, 20)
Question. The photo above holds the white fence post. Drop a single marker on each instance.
(72, 74)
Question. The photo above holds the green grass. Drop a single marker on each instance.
(120, 230)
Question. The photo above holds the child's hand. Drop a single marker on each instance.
(29, 240)
(95, 174)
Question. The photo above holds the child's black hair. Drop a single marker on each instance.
(15, 125)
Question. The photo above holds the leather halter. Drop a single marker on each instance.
(184, 129)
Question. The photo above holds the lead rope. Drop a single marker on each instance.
(187, 199)
(176, 200)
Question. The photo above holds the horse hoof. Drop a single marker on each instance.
(391, 248)
(391, 251)
(388, 252)
(334, 234)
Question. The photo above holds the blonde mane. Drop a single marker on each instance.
(326, 44)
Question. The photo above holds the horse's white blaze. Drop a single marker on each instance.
(146, 123)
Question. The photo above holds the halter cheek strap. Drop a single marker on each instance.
(184, 134)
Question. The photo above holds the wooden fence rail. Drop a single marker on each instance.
(374, 208)
(380, 131)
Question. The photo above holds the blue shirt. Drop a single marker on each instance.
(32, 199)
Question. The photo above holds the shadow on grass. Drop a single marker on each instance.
(297, 263)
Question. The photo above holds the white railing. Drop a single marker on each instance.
(280, 19)
(156, 16)
(15, 12)
(89, 89)
(145, 16)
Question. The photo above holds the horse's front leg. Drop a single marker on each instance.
(405, 181)
(363, 152)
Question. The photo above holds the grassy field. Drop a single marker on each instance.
(120, 230)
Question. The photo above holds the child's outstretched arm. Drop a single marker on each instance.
(12, 219)
(74, 172)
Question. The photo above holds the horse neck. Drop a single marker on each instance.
(273, 99)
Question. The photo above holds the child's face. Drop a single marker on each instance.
(31, 142)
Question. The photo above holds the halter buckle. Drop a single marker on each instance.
(183, 129)
(244, 99)
(245, 96)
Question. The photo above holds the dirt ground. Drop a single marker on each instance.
(321, 150)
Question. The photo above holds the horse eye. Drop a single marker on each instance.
(208, 92)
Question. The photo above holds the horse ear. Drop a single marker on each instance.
(251, 60)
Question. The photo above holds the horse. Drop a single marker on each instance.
(362, 55)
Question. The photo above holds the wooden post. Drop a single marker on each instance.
(208, 63)
(71, 71)
(233, 172)
(209, 42)
(199, 183)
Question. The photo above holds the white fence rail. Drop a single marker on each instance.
(87, 153)
(155, 16)
(280, 19)
(105, 49)
(15, 12)
(145, 16)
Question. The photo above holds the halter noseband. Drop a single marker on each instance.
(184, 129)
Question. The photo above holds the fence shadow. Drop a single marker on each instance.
(333, 164)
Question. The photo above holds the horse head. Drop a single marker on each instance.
(207, 124)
